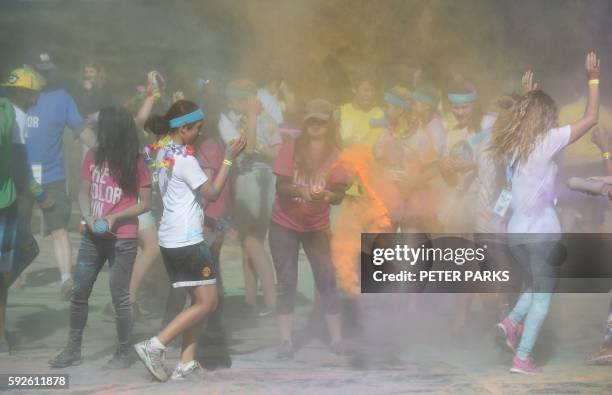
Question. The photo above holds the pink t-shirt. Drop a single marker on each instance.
(210, 156)
(106, 196)
(295, 213)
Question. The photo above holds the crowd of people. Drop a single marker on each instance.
(170, 173)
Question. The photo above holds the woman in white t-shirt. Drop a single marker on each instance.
(184, 188)
(525, 142)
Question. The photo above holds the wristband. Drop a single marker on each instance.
(227, 162)
(594, 81)
(606, 155)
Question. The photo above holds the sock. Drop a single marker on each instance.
(155, 343)
(65, 276)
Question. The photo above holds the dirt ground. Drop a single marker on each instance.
(402, 344)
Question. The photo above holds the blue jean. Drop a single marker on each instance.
(93, 253)
(533, 308)
(542, 263)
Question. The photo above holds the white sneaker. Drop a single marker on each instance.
(182, 370)
(152, 359)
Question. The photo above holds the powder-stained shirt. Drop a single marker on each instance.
(357, 127)
(533, 191)
(183, 216)
(106, 197)
(294, 212)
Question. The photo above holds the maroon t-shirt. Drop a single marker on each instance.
(296, 213)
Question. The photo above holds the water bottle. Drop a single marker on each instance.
(100, 226)
(155, 80)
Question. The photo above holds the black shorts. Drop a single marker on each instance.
(58, 216)
(190, 266)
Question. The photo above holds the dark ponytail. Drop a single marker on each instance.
(157, 124)
(160, 124)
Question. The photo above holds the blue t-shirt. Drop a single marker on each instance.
(45, 124)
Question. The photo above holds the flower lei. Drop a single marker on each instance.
(171, 149)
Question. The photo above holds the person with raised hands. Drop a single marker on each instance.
(525, 142)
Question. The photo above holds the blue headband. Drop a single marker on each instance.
(423, 98)
(195, 116)
(462, 98)
(397, 101)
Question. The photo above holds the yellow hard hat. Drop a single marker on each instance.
(26, 78)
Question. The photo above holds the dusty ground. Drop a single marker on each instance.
(401, 351)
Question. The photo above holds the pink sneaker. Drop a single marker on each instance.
(524, 366)
(507, 334)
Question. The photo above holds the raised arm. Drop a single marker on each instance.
(145, 109)
(591, 113)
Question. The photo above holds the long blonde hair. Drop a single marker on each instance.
(517, 130)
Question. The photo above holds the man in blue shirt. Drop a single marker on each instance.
(46, 120)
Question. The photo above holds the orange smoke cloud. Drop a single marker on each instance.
(367, 213)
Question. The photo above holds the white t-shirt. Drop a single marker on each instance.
(267, 130)
(183, 216)
(267, 133)
(19, 128)
(533, 184)
(270, 104)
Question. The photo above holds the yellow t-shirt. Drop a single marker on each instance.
(355, 128)
(582, 151)
(355, 124)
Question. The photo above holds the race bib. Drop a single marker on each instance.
(503, 203)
